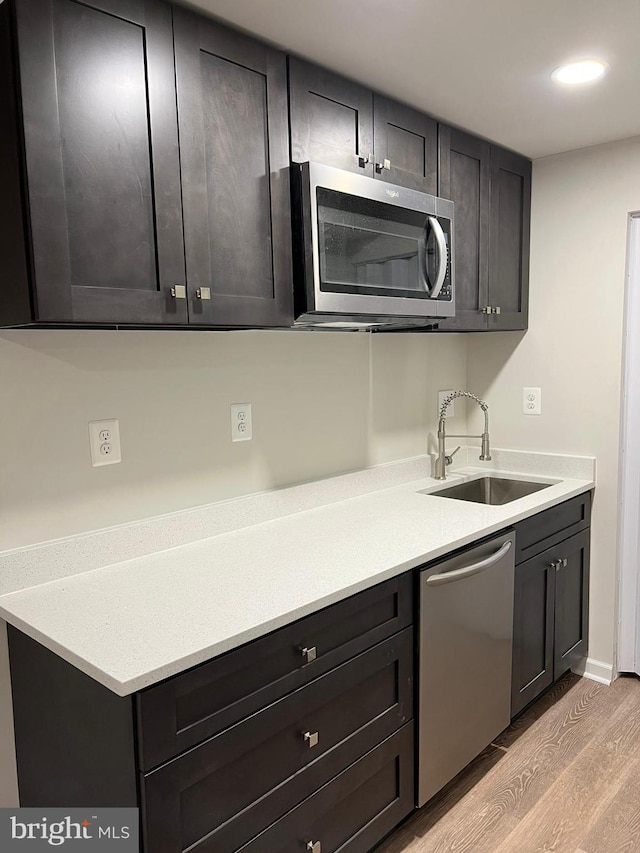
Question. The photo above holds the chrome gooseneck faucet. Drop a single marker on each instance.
(443, 460)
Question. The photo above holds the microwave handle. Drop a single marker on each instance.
(443, 254)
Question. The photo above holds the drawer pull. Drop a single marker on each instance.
(309, 654)
(311, 739)
(314, 847)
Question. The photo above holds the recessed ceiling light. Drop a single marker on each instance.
(580, 72)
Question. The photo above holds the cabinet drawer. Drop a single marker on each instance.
(547, 528)
(227, 790)
(189, 708)
(354, 811)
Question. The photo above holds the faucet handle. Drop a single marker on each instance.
(449, 458)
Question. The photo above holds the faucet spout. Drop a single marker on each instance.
(442, 459)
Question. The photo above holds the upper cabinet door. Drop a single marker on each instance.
(465, 178)
(103, 176)
(232, 107)
(331, 119)
(405, 146)
(509, 240)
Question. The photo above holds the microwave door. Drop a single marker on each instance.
(436, 257)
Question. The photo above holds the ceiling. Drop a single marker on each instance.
(484, 65)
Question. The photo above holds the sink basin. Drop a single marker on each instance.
(490, 490)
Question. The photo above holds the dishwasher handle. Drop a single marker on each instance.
(474, 569)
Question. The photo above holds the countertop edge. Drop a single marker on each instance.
(175, 667)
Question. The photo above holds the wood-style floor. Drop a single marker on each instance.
(565, 777)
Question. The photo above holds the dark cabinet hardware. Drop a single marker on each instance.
(363, 161)
(380, 167)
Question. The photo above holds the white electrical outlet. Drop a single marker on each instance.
(531, 401)
(241, 426)
(451, 408)
(104, 440)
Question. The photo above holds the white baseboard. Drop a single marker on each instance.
(594, 669)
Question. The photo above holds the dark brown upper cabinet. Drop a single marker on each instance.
(340, 123)
(405, 145)
(510, 221)
(465, 174)
(232, 108)
(157, 189)
(101, 159)
(331, 119)
(491, 190)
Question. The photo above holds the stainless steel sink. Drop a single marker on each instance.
(490, 490)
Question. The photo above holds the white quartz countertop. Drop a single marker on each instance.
(139, 621)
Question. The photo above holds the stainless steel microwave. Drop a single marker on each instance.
(368, 253)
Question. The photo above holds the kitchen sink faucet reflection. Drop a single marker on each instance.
(443, 460)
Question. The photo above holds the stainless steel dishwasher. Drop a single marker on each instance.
(466, 630)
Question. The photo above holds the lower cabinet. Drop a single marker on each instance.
(355, 810)
(220, 795)
(301, 740)
(551, 606)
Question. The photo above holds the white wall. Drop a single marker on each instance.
(323, 403)
(573, 349)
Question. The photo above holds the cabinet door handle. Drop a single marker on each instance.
(314, 847)
(557, 565)
(380, 167)
(564, 562)
(311, 739)
(487, 309)
(203, 293)
(497, 310)
(364, 159)
(179, 291)
(309, 654)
